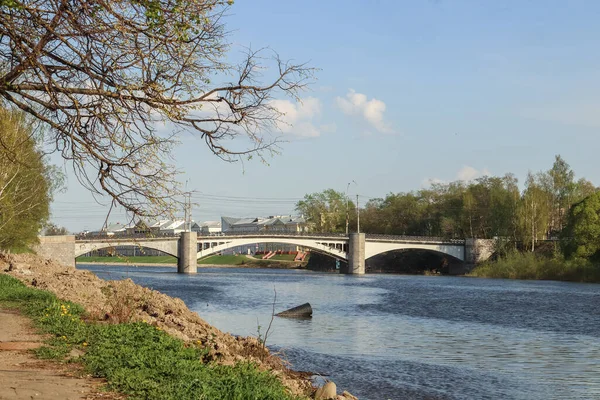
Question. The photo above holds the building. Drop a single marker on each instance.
(277, 223)
(210, 228)
(164, 227)
(112, 229)
(274, 224)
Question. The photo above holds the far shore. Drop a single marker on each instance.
(173, 265)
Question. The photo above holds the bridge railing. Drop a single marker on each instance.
(216, 236)
(276, 233)
(126, 236)
(376, 236)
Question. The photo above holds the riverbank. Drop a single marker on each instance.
(130, 308)
(530, 266)
(227, 261)
(274, 265)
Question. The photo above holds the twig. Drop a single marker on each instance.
(264, 342)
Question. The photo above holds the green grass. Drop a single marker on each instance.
(279, 257)
(216, 259)
(283, 257)
(136, 359)
(225, 260)
(516, 265)
(130, 260)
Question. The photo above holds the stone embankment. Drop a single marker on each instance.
(124, 301)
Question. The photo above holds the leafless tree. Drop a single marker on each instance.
(110, 78)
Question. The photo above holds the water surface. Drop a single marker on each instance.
(407, 337)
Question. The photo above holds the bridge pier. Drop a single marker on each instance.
(186, 253)
(356, 254)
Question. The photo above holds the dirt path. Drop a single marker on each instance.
(22, 376)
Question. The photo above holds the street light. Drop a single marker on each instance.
(348, 204)
(357, 215)
(347, 213)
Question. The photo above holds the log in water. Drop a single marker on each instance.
(302, 311)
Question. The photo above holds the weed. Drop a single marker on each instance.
(137, 359)
(517, 265)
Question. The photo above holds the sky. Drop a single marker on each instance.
(408, 92)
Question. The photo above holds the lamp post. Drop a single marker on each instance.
(357, 215)
(348, 205)
(347, 211)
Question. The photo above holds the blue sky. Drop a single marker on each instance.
(407, 92)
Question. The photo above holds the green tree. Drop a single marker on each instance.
(583, 188)
(326, 210)
(581, 237)
(103, 77)
(534, 211)
(53, 230)
(26, 182)
(504, 200)
(561, 186)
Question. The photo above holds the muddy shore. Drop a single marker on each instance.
(123, 301)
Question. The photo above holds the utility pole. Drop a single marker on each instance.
(187, 209)
(357, 216)
(347, 210)
(185, 212)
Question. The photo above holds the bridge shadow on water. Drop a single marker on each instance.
(410, 261)
(416, 261)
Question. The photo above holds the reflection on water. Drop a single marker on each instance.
(409, 337)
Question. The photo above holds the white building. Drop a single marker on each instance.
(210, 227)
(274, 223)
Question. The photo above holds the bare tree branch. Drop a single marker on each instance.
(104, 76)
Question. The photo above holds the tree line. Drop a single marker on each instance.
(27, 181)
(487, 207)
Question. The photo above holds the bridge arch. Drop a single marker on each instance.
(320, 245)
(373, 248)
(168, 247)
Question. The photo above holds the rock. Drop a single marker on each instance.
(347, 396)
(326, 392)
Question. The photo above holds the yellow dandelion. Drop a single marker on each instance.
(85, 343)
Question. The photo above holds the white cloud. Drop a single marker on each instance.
(466, 174)
(371, 110)
(298, 118)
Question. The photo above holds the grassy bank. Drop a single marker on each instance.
(217, 260)
(137, 359)
(210, 260)
(225, 260)
(518, 265)
(130, 260)
(279, 257)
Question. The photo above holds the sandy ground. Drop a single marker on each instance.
(22, 376)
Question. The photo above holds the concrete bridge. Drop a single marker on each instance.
(188, 247)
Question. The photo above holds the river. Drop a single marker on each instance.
(407, 337)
